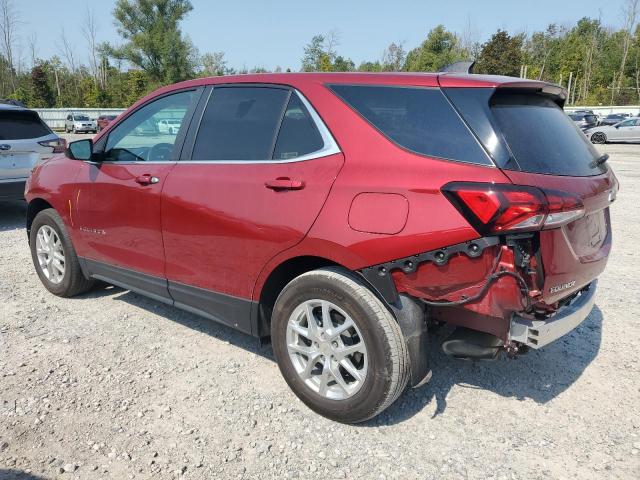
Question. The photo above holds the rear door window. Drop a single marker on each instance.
(241, 124)
(541, 137)
(420, 120)
(21, 125)
(298, 134)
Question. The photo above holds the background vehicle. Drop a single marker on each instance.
(78, 123)
(584, 120)
(613, 118)
(25, 141)
(170, 126)
(340, 214)
(104, 120)
(625, 131)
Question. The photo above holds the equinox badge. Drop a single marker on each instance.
(564, 286)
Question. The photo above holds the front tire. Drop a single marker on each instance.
(599, 138)
(54, 257)
(338, 347)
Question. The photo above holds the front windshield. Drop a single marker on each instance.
(81, 118)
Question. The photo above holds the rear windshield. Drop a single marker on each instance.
(21, 125)
(541, 137)
(418, 119)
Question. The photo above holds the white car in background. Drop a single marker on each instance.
(80, 123)
(625, 131)
(25, 141)
(169, 125)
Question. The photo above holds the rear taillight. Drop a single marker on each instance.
(502, 208)
(59, 145)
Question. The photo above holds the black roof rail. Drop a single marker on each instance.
(459, 67)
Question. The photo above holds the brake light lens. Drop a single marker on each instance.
(502, 208)
(59, 145)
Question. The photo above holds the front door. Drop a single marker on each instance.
(120, 195)
(261, 168)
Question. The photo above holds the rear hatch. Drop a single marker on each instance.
(536, 144)
(21, 131)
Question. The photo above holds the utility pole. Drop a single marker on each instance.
(569, 87)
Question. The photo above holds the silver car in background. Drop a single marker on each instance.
(25, 141)
(80, 123)
(625, 131)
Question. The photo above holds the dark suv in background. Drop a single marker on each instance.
(584, 120)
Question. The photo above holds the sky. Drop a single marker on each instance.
(259, 33)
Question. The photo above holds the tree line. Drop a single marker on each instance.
(599, 64)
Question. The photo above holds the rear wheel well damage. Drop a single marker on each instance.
(34, 208)
(409, 313)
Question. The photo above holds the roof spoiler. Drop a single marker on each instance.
(465, 67)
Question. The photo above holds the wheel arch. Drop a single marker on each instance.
(34, 207)
(278, 278)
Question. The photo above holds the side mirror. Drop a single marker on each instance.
(80, 150)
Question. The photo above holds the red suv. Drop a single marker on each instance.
(340, 215)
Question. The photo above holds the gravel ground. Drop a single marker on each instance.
(112, 385)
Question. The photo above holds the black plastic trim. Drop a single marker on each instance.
(380, 275)
(149, 285)
(232, 311)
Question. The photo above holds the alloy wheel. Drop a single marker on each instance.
(599, 138)
(327, 349)
(50, 253)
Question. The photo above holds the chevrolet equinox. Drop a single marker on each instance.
(340, 215)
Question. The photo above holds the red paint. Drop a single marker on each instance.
(384, 213)
(120, 216)
(219, 235)
(226, 227)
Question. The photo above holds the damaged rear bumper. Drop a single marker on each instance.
(538, 333)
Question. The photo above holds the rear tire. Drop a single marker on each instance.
(599, 138)
(357, 386)
(69, 281)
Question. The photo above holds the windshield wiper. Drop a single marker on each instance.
(600, 160)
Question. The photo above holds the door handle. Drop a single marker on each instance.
(284, 183)
(147, 179)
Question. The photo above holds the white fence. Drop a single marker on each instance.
(633, 110)
(55, 117)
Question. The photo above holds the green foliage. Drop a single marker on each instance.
(154, 41)
(438, 50)
(501, 55)
(320, 56)
(41, 92)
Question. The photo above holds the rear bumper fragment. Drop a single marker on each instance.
(538, 333)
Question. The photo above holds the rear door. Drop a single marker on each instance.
(536, 144)
(250, 185)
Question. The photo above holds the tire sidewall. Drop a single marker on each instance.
(363, 403)
(47, 217)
